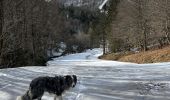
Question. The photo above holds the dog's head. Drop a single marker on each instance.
(74, 77)
(71, 80)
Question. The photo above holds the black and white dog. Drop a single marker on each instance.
(55, 85)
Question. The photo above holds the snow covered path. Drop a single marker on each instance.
(98, 79)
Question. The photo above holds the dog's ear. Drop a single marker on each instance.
(68, 78)
(75, 78)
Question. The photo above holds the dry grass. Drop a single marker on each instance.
(115, 56)
(154, 56)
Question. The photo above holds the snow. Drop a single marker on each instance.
(104, 2)
(97, 79)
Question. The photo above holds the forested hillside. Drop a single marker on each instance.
(32, 30)
(139, 24)
(28, 30)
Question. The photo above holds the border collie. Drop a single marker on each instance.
(55, 85)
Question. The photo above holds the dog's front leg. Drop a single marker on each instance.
(60, 97)
(55, 97)
(39, 98)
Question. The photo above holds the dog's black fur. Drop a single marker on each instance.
(55, 85)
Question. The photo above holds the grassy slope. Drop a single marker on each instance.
(152, 56)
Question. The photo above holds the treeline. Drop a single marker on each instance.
(79, 20)
(30, 30)
(140, 24)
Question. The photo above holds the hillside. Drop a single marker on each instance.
(31, 30)
(152, 56)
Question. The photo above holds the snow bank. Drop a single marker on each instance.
(97, 79)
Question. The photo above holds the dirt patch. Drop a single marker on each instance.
(115, 56)
(152, 56)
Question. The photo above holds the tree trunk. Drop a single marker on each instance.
(33, 45)
(104, 44)
(167, 32)
(1, 27)
(145, 41)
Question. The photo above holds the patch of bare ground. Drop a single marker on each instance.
(151, 56)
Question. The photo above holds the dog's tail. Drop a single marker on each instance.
(26, 96)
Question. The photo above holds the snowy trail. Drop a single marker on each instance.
(98, 79)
